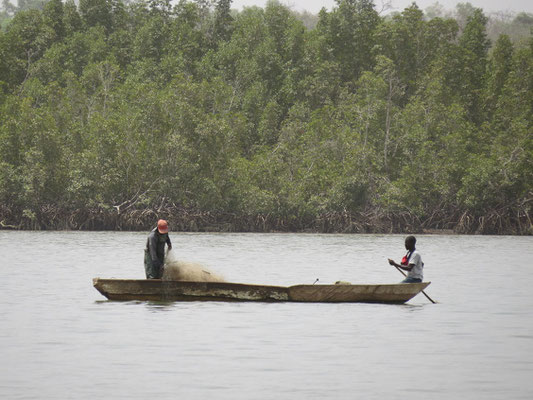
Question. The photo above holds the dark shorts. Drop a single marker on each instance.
(411, 280)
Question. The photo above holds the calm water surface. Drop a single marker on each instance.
(59, 338)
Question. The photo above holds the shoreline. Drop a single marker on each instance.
(182, 220)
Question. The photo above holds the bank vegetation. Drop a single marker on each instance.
(114, 114)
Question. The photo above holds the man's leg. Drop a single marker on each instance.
(148, 266)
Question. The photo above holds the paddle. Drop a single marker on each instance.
(424, 293)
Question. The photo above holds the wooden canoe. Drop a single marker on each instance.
(160, 290)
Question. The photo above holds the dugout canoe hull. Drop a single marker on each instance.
(159, 290)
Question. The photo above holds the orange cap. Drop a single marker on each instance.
(162, 226)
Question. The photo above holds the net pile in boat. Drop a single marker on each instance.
(180, 270)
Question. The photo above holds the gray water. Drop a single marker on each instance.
(59, 338)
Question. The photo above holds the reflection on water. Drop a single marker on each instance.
(61, 339)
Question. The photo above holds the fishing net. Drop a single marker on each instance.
(180, 270)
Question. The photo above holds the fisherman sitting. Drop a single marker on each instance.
(411, 262)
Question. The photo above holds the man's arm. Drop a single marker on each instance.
(404, 267)
(169, 243)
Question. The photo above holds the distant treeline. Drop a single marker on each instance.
(114, 114)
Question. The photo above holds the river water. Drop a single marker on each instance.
(59, 338)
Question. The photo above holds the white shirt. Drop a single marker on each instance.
(417, 271)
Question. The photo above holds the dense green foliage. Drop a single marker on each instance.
(112, 115)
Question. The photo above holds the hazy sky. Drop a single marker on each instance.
(315, 5)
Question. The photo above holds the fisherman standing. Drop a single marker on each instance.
(411, 262)
(154, 254)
